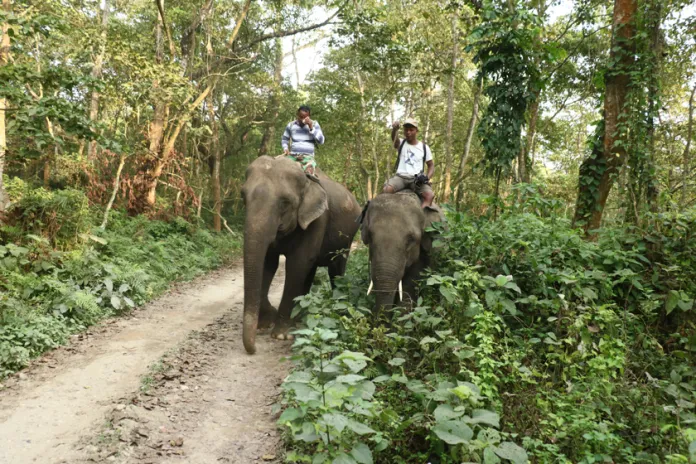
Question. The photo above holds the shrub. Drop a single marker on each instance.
(525, 335)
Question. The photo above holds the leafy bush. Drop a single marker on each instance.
(60, 216)
(525, 334)
(45, 295)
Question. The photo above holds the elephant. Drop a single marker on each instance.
(393, 226)
(311, 222)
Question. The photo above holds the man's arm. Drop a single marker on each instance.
(395, 135)
(317, 133)
(431, 168)
(285, 139)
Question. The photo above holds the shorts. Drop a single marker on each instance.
(401, 182)
(306, 161)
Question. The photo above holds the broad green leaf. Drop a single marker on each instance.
(445, 412)
(448, 293)
(350, 379)
(335, 420)
(355, 366)
(116, 302)
(289, 415)
(673, 298)
(489, 456)
(307, 434)
(362, 454)
(397, 361)
(512, 452)
(463, 392)
(501, 280)
(453, 432)
(343, 458)
(482, 416)
(359, 428)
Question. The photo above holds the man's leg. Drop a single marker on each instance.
(426, 194)
(393, 185)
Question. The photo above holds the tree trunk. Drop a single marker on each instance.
(114, 192)
(4, 59)
(360, 140)
(97, 73)
(526, 149)
(156, 127)
(450, 108)
(686, 156)
(273, 107)
(215, 153)
(469, 137)
(598, 172)
(171, 137)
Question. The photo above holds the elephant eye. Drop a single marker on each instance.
(285, 204)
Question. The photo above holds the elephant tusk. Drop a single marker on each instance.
(369, 289)
(401, 291)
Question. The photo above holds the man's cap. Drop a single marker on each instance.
(410, 122)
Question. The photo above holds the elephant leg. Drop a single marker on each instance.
(409, 288)
(337, 268)
(309, 280)
(267, 313)
(297, 270)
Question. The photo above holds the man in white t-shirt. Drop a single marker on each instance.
(413, 157)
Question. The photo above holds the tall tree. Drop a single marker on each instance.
(599, 171)
(97, 72)
(450, 107)
(4, 59)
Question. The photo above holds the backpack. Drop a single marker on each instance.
(398, 154)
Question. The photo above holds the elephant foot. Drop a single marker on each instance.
(267, 317)
(281, 331)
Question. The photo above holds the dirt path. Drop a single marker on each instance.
(111, 396)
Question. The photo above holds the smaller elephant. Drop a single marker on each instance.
(393, 226)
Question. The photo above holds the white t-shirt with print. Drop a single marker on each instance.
(411, 159)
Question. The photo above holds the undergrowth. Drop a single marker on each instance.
(527, 343)
(58, 278)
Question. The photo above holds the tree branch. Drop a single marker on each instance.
(238, 26)
(279, 34)
(160, 7)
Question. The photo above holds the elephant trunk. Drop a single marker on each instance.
(256, 243)
(386, 277)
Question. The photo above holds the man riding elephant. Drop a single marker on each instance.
(305, 134)
(413, 157)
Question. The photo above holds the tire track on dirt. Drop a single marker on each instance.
(70, 392)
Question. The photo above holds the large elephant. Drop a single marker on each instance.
(311, 223)
(393, 226)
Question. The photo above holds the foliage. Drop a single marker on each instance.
(578, 351)
(46, 295)
(506, 43)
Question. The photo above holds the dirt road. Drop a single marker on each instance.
(171, 383)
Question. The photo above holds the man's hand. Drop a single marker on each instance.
(396, 125)
(286, 151)
(309, 122)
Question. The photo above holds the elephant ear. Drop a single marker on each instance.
(364, 224)
(314, 203)
(432, 214)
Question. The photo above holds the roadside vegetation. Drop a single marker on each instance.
(528, 342)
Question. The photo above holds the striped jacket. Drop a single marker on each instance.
(303, 140)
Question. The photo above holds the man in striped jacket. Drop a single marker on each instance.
(305, 135)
